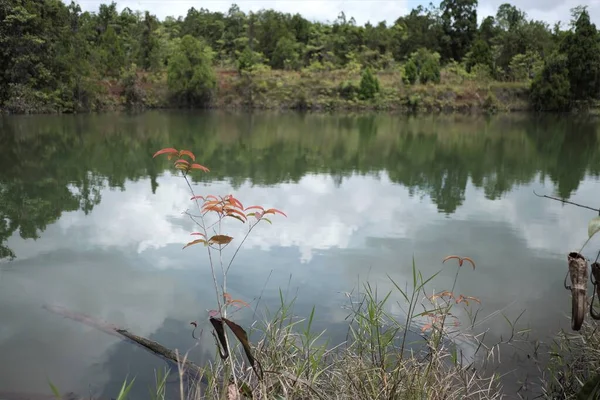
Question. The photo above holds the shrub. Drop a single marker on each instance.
(411, 72)
(133, 92)
(348, 90)
(190, 75)
(369, 85)
(490, 104)
(430, 71)
(550, 90)
(423, 64)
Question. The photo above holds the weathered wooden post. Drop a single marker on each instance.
(578, 271)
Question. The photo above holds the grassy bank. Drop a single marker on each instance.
(328, 91)
(266, 89)
(423, 354)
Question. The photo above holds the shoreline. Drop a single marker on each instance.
(318, 92)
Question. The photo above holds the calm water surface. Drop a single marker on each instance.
(96, 225)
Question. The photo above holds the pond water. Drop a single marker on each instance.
(96, 226)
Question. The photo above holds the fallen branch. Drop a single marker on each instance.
(38, 396)
(191, 369)
(567, 202)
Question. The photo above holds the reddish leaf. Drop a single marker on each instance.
(241, 303)
(197, 198)
(213, 207)
(197, 234)
(212, 202)
(187, 153)
(275, 211)
(220, 239)
(237, 212)
(229, 300)
(469, 260)
(235, 202)
(449, 258)
(461, 260)
(182, 161)
(195, 242)
(210, 196)
(202, 167)
(254, 207)
(169, 150)
(213, 313)
(465, 299)
(182, 167)
(442, 294)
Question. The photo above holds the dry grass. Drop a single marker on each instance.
(328, 90)
(383, 357)
(574, 361)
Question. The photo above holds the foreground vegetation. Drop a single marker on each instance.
(55, 58)
(433, 349)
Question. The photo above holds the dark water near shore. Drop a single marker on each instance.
(96, 225)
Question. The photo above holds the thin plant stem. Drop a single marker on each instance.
(212, 269)
(222, 307)
(240, 246)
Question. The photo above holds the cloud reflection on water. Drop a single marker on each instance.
(116, 263)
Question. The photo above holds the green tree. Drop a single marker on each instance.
(190, 74)
(459, 22)
(247, 59)
(583, 59)
(285, 54)
(525, 66)
(551, 90)
(149, 43)
(480, 53)
(369, 85)
(420, 28)
(112, 55)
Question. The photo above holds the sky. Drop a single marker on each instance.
(363, 11)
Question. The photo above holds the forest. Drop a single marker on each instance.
(56, 58)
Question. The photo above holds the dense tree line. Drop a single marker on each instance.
(53, 55)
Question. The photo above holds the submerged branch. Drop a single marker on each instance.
(191, 369)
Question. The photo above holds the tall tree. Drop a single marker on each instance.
(459, 22)
(583, 59)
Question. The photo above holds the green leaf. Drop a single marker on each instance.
(125, 389)
(55, 390)
(593, 227)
